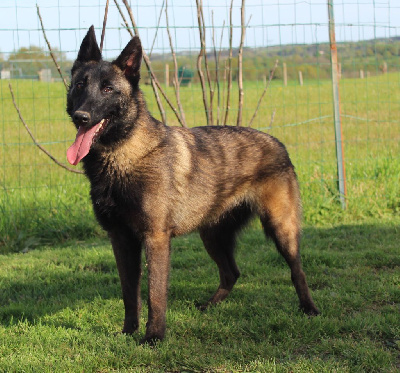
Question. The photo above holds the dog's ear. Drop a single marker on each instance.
(89, 50)
(130, 59)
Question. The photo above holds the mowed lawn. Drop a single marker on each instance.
(60, 299)
(61, 308)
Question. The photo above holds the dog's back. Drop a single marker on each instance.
(214, 169)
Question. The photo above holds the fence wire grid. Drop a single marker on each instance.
(41, 202)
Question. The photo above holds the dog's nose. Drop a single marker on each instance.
(81, 117)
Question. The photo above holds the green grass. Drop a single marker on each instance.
(40, 203)
(61, 306)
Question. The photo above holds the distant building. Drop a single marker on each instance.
(45, 75)
(5, 74)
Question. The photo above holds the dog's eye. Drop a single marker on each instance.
(107, 89)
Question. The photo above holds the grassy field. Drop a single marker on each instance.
(60, 304)
(32, 186)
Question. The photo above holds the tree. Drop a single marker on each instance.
(29, 60)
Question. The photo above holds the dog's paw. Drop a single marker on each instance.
(130, 326)
(150, 341)
(202, 306)
(311, 310)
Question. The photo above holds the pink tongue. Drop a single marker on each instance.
(81, 146)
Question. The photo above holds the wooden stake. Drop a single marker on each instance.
(300, 78)
(284, 74)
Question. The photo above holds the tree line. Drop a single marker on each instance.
(313, 60)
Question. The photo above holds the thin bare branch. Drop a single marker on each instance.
(220, 106)
(248, 21)
(240, 66)
(176, 81)
(129, 10)
(199, 4)
(158, 26)
(155, 83)
(272, 119)
(223, 90)
(33, 138)
(229, 84)
(210, 86)
(216, 67)
(158, 99)
(271, 75)
(103, 32)
(124, 19)
(181, 77)
(50, 49)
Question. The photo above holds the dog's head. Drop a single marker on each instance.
(101, 96)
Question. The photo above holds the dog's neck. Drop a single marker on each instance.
(146, 137)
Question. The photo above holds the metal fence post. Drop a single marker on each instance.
(336, 108)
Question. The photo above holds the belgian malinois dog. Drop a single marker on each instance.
(150, 182)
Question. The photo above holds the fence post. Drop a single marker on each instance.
(300, 78)
(284, 74)
(336, 108)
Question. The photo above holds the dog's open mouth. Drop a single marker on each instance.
(84, 140)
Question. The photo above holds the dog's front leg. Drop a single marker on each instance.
(127, 251)
(157, 255)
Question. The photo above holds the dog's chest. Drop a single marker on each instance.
(115, 191)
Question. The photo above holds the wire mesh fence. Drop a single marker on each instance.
(41, 202)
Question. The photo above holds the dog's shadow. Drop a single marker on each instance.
(51, 282)
(60, 285)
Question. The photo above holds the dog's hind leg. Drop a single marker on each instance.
(219, 241)
(127, 251)
(280, 218)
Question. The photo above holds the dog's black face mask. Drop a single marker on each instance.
(100, 92)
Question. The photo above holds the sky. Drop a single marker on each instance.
(270, 22)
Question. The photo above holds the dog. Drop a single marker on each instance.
(150, 183)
